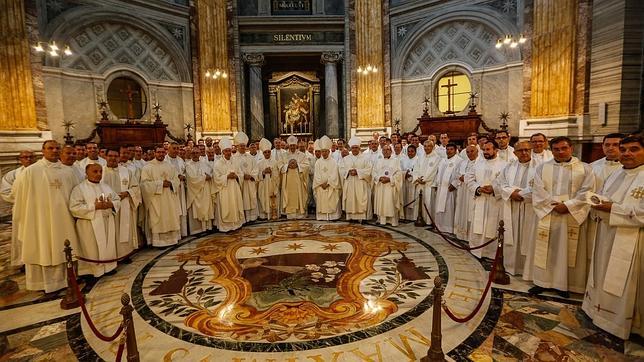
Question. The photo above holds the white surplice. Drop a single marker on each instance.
(464, 199)
(408, 191)
(248, 165)
(602, 169)
(424, 177)
(445, 199)
(96, 228)
(327, 201)
(268, 189)
(229, 204)
(199, 196)
(387, 196)
(123, 179)
(163, 206)
(487, 208)
(356, 190)
(180, 166)
(294, 185)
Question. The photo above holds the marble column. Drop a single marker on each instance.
(332, 119)
(255, 62)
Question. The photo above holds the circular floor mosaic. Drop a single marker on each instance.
(288, 286)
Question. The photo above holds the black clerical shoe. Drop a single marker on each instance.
(563, 294)
(111, 272)
(126, 261)
(536, 290)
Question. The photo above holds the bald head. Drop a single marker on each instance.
(522, 151)
(26, 158)
(472, 152)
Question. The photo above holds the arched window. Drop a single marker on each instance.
(453, 92)
(126, 98)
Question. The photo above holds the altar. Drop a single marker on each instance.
(114, 135)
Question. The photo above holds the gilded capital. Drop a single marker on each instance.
(253, 59)
(331, 57)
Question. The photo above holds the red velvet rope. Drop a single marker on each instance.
(453, 243)
(88, 260)
(480, 303)
(119, 353)
(72, 278)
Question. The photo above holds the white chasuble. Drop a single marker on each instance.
(408, 191)
(180, 166)
(602, 169)
(356, 190)
(424, 178)
(614, 297)
(41, 210)
(519, 219)
(464, 198)
(6, 194)
(199, 196)
(122, 179)
(294, 185)
(487, 207)
(229, 204)
(248, 165)
(96, 228)
(387, 196)
(162, 203)
(268, 189)
(445, 200)
(327, 201)
(560, 241)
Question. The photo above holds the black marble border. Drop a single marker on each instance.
(77, 341)
(155, 321)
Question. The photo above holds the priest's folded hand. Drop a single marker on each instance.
(268, 171)
(561, 208)
(232, 175)
(451, 188)
(208, 178)
(123, 194)
(515, 195)
(384, 179)
(167, 183)
(353, 172)
(604, 206)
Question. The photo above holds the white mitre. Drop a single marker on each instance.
(241, 138)
(265, 145)
(354, 141)
(291, 140)
(316, 145)
(225, 143)
(325, 143)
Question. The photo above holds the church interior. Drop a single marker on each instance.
(198, 80)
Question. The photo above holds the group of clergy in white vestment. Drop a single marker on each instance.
(569, 226)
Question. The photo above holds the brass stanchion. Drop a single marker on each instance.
(420, 221)
(500, 276)
(435, 352)
(130, 335)
(70, 300)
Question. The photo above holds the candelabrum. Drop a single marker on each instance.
(102, 107)
(503, 117)
(188, 128)
(69, 125)
(157, 112)
(511, 41)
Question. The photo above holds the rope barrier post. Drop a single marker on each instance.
(500, 276)
(130, 335)
(70, 300)
(420, 221)
(435, 352)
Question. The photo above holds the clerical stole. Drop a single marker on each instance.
(543, 228)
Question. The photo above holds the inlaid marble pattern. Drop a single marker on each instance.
(311, 291)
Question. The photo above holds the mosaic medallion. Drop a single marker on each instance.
(288, 286)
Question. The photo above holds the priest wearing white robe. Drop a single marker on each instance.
(125, 184)
(180, 167)
(92, 157)
(540, 153)
(505, 151)
(42, 188)
(387, 177)
(355, 169)
(519, 218)
(199, 196)
(605, 166)
(268, 186)
(559, 199)
(326, 184)
(464, 197)
(227, 176)
(445, 199)
(295, 173)
(26, 158)
(160, 189)
(68, 159)
(407, 166)
(614, 297)
(248, 164)
(487, 201)
(94, 204)
(471, 141)
(424, 176)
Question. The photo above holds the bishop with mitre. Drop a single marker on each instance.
(227, 176)
(268, 186)
(326, 184)
(355, 169)
(295, 173)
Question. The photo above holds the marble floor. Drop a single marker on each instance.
(303, 291)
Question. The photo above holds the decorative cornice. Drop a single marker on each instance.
(331, 57)
(253, 59)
